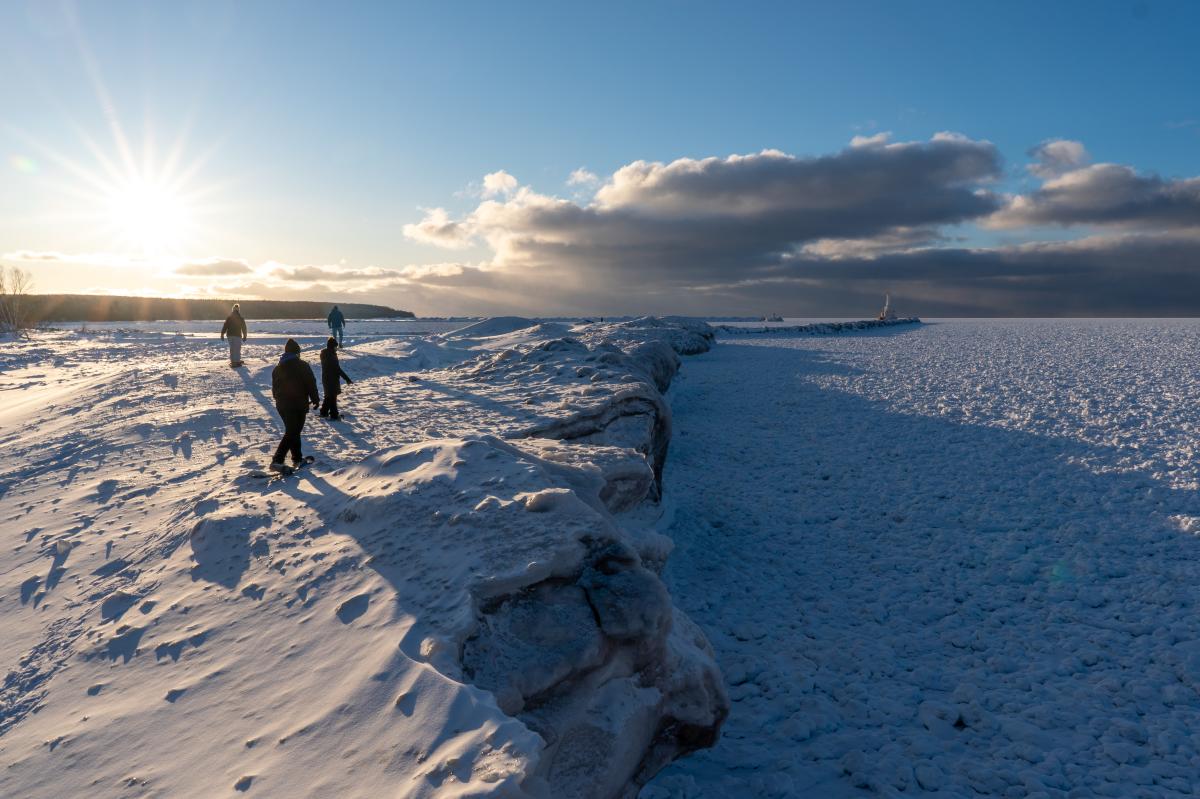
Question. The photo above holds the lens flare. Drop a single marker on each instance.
(23, 164)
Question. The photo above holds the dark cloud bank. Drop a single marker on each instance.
(829, 235)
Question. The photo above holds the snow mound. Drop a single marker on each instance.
(493, 326)
(685, 336)
(466, 613)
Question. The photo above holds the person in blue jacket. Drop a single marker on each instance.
(336, 322)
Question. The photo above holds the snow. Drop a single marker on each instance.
(824, 328)
(956, 558)
(459, 598)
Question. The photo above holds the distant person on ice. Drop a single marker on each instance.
(294, 387)
(235, 328)
(331, 371)
(336, 322)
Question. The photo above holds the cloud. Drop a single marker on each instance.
(769, 231)
(1106, 194)
(1055, 157)
(439, 230)
(876, 140)
(213, 267)
(432, 271)
(582, 177)
(860, 189)
(106, 259)
(1114, 275)
(899, 239)
(1109, 275)
(314, 274)
(498, 184)
(696, 220)
(829, 235)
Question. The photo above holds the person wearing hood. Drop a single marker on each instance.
(235, 328)
(294, 387)
(337, 322)
(331, 377)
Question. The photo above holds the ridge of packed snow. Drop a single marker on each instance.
(817, 328)
(457, 599)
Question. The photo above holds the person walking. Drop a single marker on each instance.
(235, 328)
(294, 386)
(337, 322)
(331, 377)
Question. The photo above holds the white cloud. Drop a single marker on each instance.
(438, 229)
(583, 177)
(876, 140)
(499, 183)
(1055, 157)
(105, 259)
(212, 267)
(1109, 195)
(336, 274)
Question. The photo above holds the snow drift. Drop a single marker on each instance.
(465, 615)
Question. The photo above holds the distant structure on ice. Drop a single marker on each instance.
(772, 318)
(887, 314)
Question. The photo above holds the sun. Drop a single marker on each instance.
(148, 216)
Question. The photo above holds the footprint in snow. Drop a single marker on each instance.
(352, 608)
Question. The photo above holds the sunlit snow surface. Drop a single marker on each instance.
(458, 598)
(958, 557)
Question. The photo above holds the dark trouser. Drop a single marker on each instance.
(337, 333)
(329, 404)
(293, 423)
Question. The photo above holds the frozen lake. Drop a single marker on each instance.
(957, 557)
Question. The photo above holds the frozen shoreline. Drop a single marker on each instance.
(172, 623)
(816, 328)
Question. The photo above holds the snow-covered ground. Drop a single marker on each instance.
(960, 557)
(459, 598)
(956, 557)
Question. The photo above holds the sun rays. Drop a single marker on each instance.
(116, 192)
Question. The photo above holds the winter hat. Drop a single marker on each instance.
(291, 346)
(331, 344)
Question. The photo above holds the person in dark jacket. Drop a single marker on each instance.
(294, 386)
(331, 377)
(336, 321)
(235, 328)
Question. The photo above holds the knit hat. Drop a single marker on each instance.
(331, 344)
(291, 346)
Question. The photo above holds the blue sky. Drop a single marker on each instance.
(319, 130)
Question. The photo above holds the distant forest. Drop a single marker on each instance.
(101, 308)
